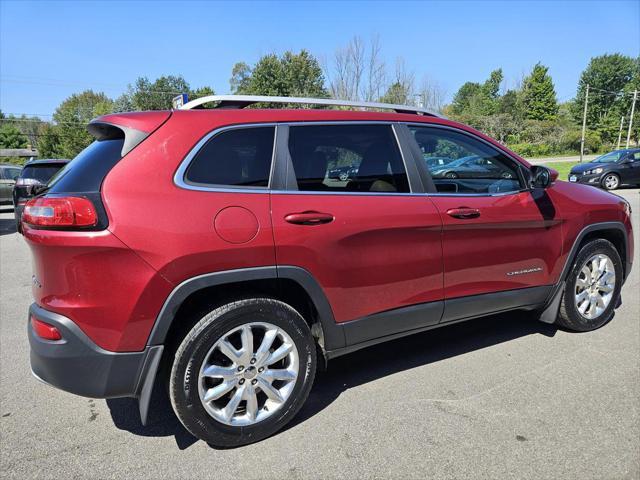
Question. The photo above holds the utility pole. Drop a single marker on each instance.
(584, 123)
(633, 107)
(620, 132)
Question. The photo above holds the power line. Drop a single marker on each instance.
(55, 83)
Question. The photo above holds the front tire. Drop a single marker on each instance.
(243, 372)
(593, 287)
(610, 181)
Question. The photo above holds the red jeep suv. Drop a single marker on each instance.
(210, 249)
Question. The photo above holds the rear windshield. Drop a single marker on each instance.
(87, 170)
(41, 172)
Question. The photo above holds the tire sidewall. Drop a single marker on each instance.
(577, 321)
(185, 372)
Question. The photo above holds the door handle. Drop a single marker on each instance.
(309, 218)
(463, 213)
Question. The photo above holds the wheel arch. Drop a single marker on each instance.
(615, 232)
(292, 285)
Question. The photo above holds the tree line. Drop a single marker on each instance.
(528, 118)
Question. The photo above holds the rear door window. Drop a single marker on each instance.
(240, 157)
(347, 158)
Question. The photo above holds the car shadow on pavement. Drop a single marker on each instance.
(350, 371)
(417, 350)
(161, 422)
(7, 226)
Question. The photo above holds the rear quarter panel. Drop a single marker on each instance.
(172, 228)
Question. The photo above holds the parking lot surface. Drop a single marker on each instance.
(505, 397)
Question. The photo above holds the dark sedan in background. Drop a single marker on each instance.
(472, 166)
(610, 170)
(35, 173)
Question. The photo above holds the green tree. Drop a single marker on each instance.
(510, 104)
(240, 75)
(474, 99)
(157, 95)
(397, 93)
(30, 127)
(11, 136)
(71, 119)
(202, 92)
(491, 87)
(289, 76)
(490, 92)
(465, 97)
(606, 75)
(49, 145)
(539, 95)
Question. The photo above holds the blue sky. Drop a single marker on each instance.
(49, 50)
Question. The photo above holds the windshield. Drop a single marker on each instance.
(41, 173)
(609, 157)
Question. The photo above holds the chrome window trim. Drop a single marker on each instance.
(370, 194)
(178, 177)
(482, 140)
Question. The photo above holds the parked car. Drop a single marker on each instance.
(433, 162)
(185, 247)
(34, 174)
(472, 166)
(610, 170)
(343, 173)
(8, 175)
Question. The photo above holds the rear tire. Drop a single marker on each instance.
(260, 394)
(591, 294)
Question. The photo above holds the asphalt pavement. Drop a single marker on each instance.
(504, 397)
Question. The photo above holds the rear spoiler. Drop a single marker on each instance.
(134, 127)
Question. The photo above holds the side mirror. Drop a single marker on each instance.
(35, 189)
(542, 177)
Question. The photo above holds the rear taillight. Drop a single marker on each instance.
(44, 330)
(60, 212)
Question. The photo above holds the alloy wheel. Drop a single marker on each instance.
(248, 374)
(611, 182)
(595, 286)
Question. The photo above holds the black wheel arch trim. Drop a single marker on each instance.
(594, 227)
(332, 334)
(552, 304)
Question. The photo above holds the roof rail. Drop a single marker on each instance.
(241, 101)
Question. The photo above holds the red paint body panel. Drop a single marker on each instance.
(380, 252)
(481, 255)
(583, 205)
(98, 282)
(171, 228)
(143, 121)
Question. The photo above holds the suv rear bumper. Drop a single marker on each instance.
(77, 365)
